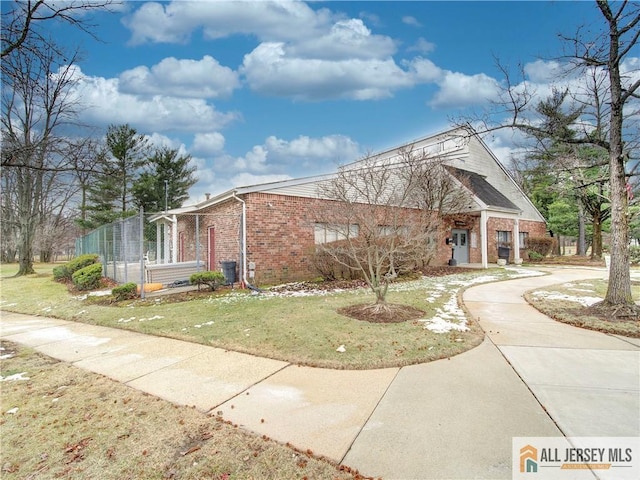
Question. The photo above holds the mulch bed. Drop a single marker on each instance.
(388, 313)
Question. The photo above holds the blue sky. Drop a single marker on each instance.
(258, 91)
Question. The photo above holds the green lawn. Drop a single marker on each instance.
(302, 330)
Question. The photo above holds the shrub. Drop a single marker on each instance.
(65, 272)
(88, 278)
(634, 255)
(81, 262)
(541, 245)
(535, 256)
(125, 292)
(213, 279)
(61, 273)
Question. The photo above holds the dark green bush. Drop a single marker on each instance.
(88, 278)
(535, 256)
(125, 292)
(634, 255)
(61, 273)
(213, 279)
(81, 262)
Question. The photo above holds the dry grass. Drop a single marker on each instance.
(573, 303)
(73, 424)
(305, 330)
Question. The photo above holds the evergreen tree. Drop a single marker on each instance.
(109, 197)
(166, 183)
(128, 150)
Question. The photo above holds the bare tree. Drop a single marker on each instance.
(21, 18)
(386, 214)
(36, 104)
(607, 121)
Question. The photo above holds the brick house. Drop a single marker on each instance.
(269, 230)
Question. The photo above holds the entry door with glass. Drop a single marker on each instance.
(460, 245)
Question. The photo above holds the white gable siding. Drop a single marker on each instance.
(480, 161)
(466, 153)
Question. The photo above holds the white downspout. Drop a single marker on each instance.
(484, 241)
(244, 239)
(516, 239)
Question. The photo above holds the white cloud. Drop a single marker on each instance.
(422, 46)
(347, 39)
(208, 143)
(424, 70)
(104, 103)
(204, 78)
(305, 150)
(461, 90)
(274, 160)
(158, 140)
(409, 20)
(247, 179)
(267, 20)
(254, 160)
(269, 70)
(542, 71)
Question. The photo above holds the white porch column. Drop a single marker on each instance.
(484, 243)
(167, 246)
(174, 239)
(158, 237)
(516, 239)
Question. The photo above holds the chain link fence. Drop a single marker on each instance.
(124, 247)
(137, 250)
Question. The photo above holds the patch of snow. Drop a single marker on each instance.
(524, 272)
(6, 356)
(584, 301)
(15, 377)
(341, 349)
(449, 317)
(100, 293)
(205, 324)
(155, 317)
(13, 410)
(130, 319)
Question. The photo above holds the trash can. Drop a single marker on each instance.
(229, 272)
(504, 252)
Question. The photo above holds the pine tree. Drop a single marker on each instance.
(167, 183)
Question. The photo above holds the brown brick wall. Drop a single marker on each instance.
(225, 220)
(534, 229)
(280, 235)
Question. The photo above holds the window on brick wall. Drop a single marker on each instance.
(524, 238)
(503, 238)
(326, 232)
(386, 230)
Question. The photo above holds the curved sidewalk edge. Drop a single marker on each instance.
(588, 382)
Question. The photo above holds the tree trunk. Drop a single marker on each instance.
(619, 288)
(581, 246)
(25, 248)
(596, 245)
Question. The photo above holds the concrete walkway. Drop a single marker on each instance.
(446, 419)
